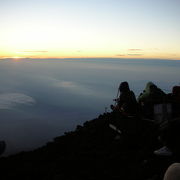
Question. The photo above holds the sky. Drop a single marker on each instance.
(90, 28)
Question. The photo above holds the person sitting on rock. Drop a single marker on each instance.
(150, 96)
(126, 102)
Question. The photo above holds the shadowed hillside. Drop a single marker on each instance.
(94, 151)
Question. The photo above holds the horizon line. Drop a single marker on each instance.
(4, 58)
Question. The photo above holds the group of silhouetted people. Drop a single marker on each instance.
(144, 107)
(127, 103)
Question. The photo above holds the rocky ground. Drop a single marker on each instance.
(94, 151)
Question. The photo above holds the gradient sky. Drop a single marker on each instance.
(90, 28)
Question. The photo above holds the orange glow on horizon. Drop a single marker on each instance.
(126, 53)
(17, 57)
(90, 56)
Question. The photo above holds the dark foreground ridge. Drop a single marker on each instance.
(94, 151)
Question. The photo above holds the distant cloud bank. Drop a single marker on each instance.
(120, 54)
(35, 51)
(135, 54)
(135, 49)
(78, 88)
(74, 87)
(11, 100)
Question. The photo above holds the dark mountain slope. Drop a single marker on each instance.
(94, 151)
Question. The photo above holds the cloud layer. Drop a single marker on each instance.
(11, 100)
(35, 51)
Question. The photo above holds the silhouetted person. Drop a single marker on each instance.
(174, 99)
(126, 102)
(150, 96)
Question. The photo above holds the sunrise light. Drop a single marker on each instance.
(118, 29)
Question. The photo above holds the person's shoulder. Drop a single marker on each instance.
(131, 92)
